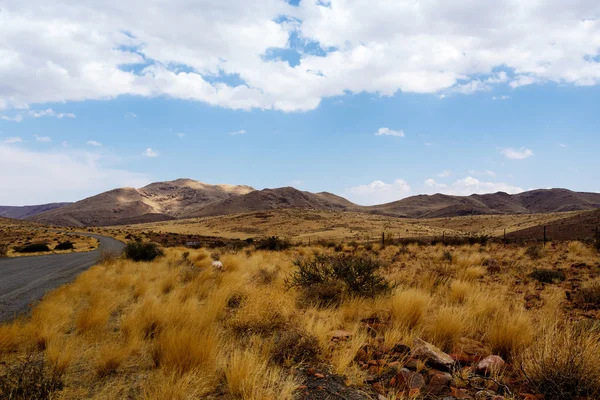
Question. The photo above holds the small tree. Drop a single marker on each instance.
(138, 251)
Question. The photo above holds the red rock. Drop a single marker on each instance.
(378, 387)
(462, 358)
(407, 379)
(319, 376)
(414, 393)
(310, 371)
(490, 365)
(373, 369)
(439, 384)
(302, 387)
(460, 394)
(372, 362)
(430, 353)
(411, 363)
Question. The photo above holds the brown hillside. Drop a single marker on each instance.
(269, 199)
(128, 205)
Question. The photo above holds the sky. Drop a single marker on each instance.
(371, 100)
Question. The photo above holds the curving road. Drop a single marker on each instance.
(25, 280)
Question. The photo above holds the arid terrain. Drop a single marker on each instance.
(507, 322)
(16, 235)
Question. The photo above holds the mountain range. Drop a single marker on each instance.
(186, 198)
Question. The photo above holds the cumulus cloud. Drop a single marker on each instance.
(501, 97)
(517, 154)
(102, 51)
(65, 175)
(389, 132)
(50, 113)
(94, 143)
(150, 153)
(445, 174)
(433, 184)
(240, 132)
(43, 139)
(12, 139)
(130, 115)
(378, 192)
(470, 185)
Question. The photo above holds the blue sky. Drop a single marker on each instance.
(296, 97)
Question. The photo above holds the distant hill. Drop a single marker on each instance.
(536, 201)
(186, 198)
(157, 201)
(269, 199)
(22, 212)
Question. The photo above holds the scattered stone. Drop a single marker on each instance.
(461, 394)
(217, 265)
(439, 383)
(487, 395)
(407, 379)
(490, 365)
(430, 353)
(340, 335)
(319, 376)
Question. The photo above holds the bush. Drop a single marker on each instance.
(138, 251)
(33, 248)
(589, 297)
(563, 364)
(273, 243)
(3, 251)
(28, 379)
(535, 252)
(66, 245)
(292, 346)
(357, 273)
(547, 275)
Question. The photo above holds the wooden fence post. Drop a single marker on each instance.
(545, 237)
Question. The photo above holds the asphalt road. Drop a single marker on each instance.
(25, 280)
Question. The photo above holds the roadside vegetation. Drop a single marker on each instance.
(360, 321)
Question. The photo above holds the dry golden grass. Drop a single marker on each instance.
(177, 328)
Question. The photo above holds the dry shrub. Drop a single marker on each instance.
(28, 379)
(408, 307)
(535, 252)
(3, 250)
(295, 346)
(59, 355)
(91, 318)
(163, 385)
(266, 276)
(181, 350)
(579, 249)
(548, 275)
(509, 332)
(471, 273)
(249, 377)
(10, 337)
(231, 262)
(446, 327)
(563, 363)
(459, 290)
(200, 258)
(589, 297)
(109, 359)
(323, 294)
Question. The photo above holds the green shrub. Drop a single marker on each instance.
(358, 274)
(547, 275)
(66, 245)
(138, 251)
(273, 243)
(33, 248)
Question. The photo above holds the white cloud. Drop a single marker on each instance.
(16, 118)
(94, 143)
(50, 113)
(181, 135)
(433, 184)
(150, 153)
(240, 132)
(470, 185)
(563, 145)
(80, 52)
(43, 139)
(445, 174)
(389, 132)
(517, 154)
(378, 192)
(65, 175)
(501, 97)
(13, 139)
(130, 115)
